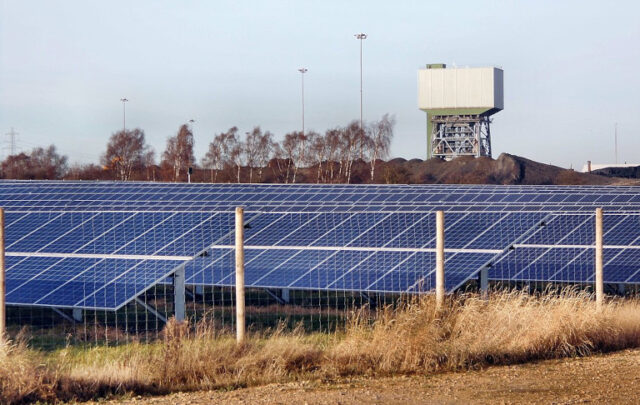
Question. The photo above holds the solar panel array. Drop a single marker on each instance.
(563, 251)
(99, 245)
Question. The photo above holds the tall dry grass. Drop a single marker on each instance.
(471, 332)
(412, 338)
(23, 378)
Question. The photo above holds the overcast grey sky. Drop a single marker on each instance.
(571, 70)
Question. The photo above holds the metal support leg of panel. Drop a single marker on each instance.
(284, 294)
(78, 316)
(621, 289)
(199, 290)
(179, 294)
(484, 283)
(151, 310)
(63, 315)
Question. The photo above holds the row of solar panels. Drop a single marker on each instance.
(66, 250)
(336, 208)
(111, 255)
(162, 196)
(104, 260)
(567, 265)
(188, 233)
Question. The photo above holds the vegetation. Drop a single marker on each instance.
(410, 339)
(228, 159)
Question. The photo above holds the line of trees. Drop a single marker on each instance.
(343, 154)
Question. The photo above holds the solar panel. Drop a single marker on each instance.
(192, 197)
(99, 245)
(563, 250)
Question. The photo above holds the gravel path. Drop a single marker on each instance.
(613, 378)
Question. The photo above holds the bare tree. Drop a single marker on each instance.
(41, 163)
(266, 149)
(149, 163)
(379, 140)
(179, 152)
(294, 146)
(352, 139)
(213, 159)
(48, 163)
(125, 153)
(87, 171)
(252, 149)
(333, 142)
(236, 155)
(231, 149)
(16, 167)
(317, 152)
(279, 163)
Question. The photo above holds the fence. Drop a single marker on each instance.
(121, 275)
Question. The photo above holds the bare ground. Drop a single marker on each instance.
(612, 378)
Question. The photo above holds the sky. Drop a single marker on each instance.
(570, 70)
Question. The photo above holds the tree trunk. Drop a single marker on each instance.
(373, 164)
(286, 180)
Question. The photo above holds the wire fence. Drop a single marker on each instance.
(107, 278)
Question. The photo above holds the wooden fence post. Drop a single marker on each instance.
(439, 259)
(599, 260)
(3, 313)
(240, 309)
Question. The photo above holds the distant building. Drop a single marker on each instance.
(459, 103)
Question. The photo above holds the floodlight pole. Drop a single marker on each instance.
(124, 114)
(3, 313)
(191, 121)
(240, 309)
(439, 259)
(302, 72)
(599, 260)
(361, 36)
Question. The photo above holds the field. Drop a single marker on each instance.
(611, 378)
(414, 340)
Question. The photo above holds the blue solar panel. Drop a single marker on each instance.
(288, 265)
(350, 229)
(126, 286)
(622, 265)
(389, 231)
(111, 241)
(155, 196)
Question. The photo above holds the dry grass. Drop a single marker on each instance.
(470, 332)
(22, 376)
(415, 338)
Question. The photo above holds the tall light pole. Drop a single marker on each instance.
(302, 72)
(361, 36)
(190, 168)
(124, 115)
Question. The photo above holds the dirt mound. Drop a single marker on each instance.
(623, 172)
(506, 169)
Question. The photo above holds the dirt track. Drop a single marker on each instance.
(613, 378)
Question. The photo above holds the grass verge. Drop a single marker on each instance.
(411, 338)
